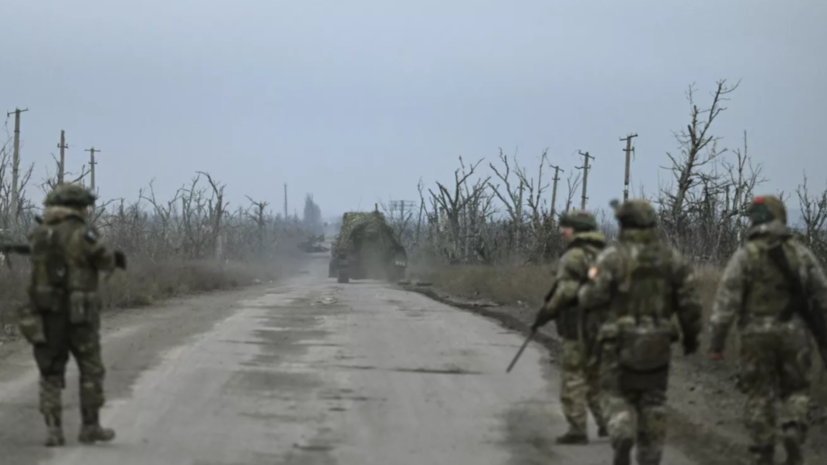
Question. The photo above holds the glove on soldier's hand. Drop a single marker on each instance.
(537, 324)
(690, 346)
(541, 320)
(120, 260)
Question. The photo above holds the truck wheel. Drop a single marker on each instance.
(343, 277)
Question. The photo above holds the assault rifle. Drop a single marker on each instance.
(25, 249)
(533, 332)
(812, 315)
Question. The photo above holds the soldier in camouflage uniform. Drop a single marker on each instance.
(640, 283)
(579, 388)
(775, 354)
(66, 256)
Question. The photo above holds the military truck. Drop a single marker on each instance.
(366, 248)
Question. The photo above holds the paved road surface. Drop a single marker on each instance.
(308, 372)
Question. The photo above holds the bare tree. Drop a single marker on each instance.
(453, 204)
(692, 142)
(573, 182)
(813, 217)
(513, 197)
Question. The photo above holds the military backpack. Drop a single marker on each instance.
(645, 330)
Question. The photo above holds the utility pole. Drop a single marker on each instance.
(585, 169)
(629, 149)
(61, 169)
(285, 202)
(15, 169)
(401, 206)
(557, 171)
(92, 164)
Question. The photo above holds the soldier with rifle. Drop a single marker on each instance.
(63, 315)
(776, 289)
(580, 391)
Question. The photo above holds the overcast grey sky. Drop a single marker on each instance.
(355, 100)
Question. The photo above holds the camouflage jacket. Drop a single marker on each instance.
(82, 252)
(753, 290)
(571, 273)
(610, 281)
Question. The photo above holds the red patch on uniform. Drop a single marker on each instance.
(758, 200)
(593, 272)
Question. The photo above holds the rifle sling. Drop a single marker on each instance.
(779, 258)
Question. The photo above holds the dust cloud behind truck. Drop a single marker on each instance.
(366, 248)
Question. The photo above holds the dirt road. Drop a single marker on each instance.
(308, 372)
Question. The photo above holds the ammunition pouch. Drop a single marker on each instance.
(30, 324)
(657, 379)
(120, 260)
(84, 307)
(570, 322)
(46, 298)
(645, 348)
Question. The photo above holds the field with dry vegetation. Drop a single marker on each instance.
(187, 244)
(491, 235)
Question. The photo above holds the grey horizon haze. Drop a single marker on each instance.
(356, 101)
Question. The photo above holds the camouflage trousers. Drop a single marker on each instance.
(775, 366)
(634, 405)
(639, 416)
(83, 342)
(580, 390)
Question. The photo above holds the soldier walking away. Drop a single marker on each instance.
(776, 289)
(640, 283)
(580, 374)
(66, 257)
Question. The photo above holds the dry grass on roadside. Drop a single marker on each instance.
(528, 284)
(504, 285)
(146, 283)
(507, 285)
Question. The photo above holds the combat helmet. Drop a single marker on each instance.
(765, 209)
(635, 214)
(70, 195)
(579, 220)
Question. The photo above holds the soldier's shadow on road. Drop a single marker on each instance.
(527, 433)
(530, 429)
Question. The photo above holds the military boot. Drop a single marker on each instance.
(92, 431)
(54, 429)
(572, 438)
(793, 440)
(762, 455)
(623, 451)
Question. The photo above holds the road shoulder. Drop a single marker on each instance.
(705, 408)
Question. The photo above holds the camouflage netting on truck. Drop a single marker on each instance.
(367, 248)
(344, 241)
(357, 226)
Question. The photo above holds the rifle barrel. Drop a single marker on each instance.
(520, 352)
